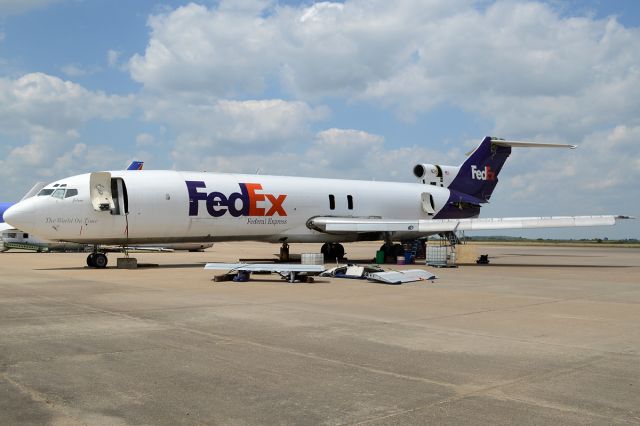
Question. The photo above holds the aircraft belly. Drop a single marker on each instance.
(258, 227)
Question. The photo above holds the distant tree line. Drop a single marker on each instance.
(504, 238)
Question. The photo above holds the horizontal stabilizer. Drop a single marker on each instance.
(361, 225)
(524, 144)
(519, 144)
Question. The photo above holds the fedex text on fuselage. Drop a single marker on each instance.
(250, 201)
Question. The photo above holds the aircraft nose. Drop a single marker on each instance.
(20, 217)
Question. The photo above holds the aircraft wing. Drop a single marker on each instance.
(419, 226)
(34, 190)
(265, 267)
(152, 249)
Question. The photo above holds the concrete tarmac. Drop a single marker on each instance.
(542, 335)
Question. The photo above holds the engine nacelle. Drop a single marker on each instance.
(434, 174)
(421, 171)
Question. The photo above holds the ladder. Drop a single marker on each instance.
(416, 246)
(24, 246)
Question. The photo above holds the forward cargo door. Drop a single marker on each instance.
(100, 191)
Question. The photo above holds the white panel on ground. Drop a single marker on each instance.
(400, 277)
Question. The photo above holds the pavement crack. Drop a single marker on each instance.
(59, 411)
(486, 389)
(183, 327)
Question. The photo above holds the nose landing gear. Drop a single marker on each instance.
(97, 260)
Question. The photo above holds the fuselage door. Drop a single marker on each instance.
(119, 197)
(428, 206)
(100, 191)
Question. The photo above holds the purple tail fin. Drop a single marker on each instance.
(136, 165)
(478, 175)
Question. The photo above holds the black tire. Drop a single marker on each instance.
(91, 262)
(389, 249)
(397, 250)
(331, 251)
(100, 260)
(392, 251)
(327, 251)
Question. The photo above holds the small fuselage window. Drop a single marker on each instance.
(332, 202)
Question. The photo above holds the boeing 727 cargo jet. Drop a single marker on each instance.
(153, 206)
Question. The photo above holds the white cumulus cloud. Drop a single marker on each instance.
(217, 128)
(113, 56)
(521, 64)
(41, 101)
(41, 117)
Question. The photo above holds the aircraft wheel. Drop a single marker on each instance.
(392, 251)
(331, 251)
(100, 260)
(91, 260)
(387, 248)
(326, 251)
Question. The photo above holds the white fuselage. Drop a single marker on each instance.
(223, 207)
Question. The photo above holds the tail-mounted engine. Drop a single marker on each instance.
(436, 175)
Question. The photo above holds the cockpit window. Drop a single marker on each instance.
(58, 193)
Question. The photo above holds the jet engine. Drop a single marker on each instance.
(434, 174)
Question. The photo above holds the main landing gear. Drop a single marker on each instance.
(97, 260)
(332, 251)
(391, 251)
(284, 252)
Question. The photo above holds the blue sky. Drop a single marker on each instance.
(356, 89)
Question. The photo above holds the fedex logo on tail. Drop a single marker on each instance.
(479, 174)
(250, 201)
